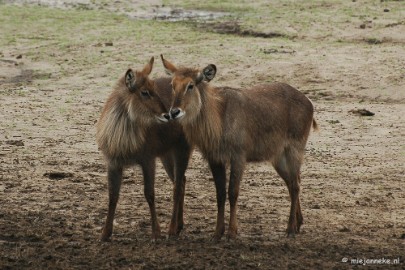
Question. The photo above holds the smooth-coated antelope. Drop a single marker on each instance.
(266, 122)
(130, 132)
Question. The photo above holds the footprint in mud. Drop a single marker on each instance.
(362, 112)
(58, 175)
(15, 142)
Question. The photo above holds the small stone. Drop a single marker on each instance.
(344, 229)
(362, 112)
(15, 142)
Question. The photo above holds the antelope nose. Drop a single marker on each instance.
(174, 112)
(167, 116)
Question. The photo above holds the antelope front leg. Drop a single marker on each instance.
(219, 173)
(168, 162)
(182, 156)
(148, 169)
(237, 168)
(114, 176)
(177, 223)
(180, 217)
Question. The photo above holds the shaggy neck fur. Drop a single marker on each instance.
(121, 130)
(206, 129)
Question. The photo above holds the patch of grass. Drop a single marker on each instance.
(42, 76)
(21, 93)
(373, 41)
(62, 110)
(316, 18)
(72, 38)
(333, 122)
(213, 5)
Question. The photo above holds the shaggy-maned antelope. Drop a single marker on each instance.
(266, 122)
(129, 132)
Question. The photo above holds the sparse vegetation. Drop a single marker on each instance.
(56, 72)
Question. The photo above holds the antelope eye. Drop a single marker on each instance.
(145, 93)
(190, 87)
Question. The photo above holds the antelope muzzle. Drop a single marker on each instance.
(176, 113)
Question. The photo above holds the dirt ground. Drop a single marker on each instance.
(53, 189)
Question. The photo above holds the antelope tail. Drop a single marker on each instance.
(315, 125)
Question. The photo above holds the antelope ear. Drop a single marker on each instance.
(169, 67)
(209, 72)
(200, 78)
(148, 67)
(130, 80)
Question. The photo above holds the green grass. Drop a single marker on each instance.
(39, 24)
(76, 38)
(71, 43)
(72, 40)
(301, 16)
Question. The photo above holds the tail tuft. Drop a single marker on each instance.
(315, 125)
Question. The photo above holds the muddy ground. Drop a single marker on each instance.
(58, 64)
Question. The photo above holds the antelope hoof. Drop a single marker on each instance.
(219, 232)
(172, 237)
(154, 240)
(216, 237)
(156, 235)
(174, 230)
(105, 239)
(291, 233)
(179, 228)
(232, 235)
(171, 232)
(105, 236)
(299, 227)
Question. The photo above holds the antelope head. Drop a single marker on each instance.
(187, 84)
(142, 98)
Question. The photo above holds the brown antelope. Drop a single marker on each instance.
(129, 132)
(266, 122)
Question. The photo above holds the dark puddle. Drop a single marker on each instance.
(205, 20)
(26, 76)
(163, 13)
(137, 10)
(55, 175)
(362, 112)
(234, 28)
